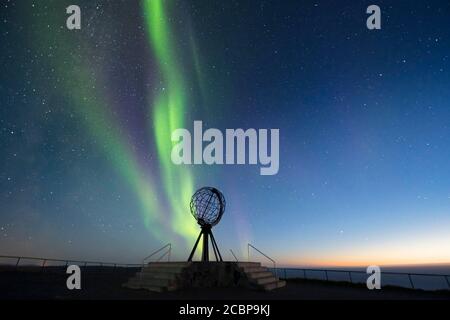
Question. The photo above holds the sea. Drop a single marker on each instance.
(425, 277)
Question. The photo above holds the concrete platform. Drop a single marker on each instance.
(171, 276)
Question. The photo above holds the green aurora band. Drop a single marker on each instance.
(168, 109)
(83, 86)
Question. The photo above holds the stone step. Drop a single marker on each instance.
(172, 270)
(249, 264)
(265, 280)
(274, 285)
(251, 269)
(169, 264)
(155, 289)
(150, 282)
(259, 274)
(159, 288)
(131, 285)
(158, 275)
(137, 285)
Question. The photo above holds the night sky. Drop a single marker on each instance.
(364, 119)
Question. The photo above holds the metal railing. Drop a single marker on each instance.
(43, 262)
(296, 273)
(167, 250)
(273, 261)
(235, 258)
(410, 277)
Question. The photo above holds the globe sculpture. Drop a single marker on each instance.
(207, 206)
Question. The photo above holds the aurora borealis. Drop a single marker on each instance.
(87, 116)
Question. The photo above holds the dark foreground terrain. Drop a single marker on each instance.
(106, 283)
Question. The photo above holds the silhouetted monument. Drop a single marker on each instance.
(207, 207)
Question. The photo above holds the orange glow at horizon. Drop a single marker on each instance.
(423, 251)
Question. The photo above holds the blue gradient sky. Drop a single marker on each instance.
(364, 119)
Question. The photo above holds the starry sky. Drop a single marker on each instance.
(364, 118)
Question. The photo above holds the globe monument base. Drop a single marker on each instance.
(170, 276)
(206, 233)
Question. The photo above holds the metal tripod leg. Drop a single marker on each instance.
(195, 247)
(215, 245)
(205, 250)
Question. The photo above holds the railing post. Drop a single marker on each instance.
(411, 281)
(350, 275)
(273, 261)
(304, 273)
(164, 249)
(326, 274)
(448, 283)
(17, 263)
(285, 274)
(235, 258)
(43, 265)
(275, 269)
(248, 252)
